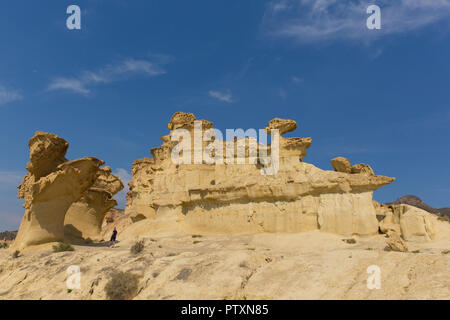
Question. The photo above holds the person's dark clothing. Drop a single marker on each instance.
(114, 235)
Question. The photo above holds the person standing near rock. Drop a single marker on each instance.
(112, 241)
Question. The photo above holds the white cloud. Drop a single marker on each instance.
(126, 177)
(281, 5)
(110, 73)
(74, 85)
(8, 95)
(222, 96)
(377, 53)
(325, 20)
(296, 79)
(11, 178)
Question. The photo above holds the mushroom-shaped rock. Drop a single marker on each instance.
(341, 164)
(108, 181)
(48, 198)
(282, 125)
(362, 168)
(84, 218)
(288, 147)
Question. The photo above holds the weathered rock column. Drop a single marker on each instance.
(84, 218)
(50, 188)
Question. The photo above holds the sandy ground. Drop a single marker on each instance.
(311, 265)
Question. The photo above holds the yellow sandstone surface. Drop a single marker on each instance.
(50, 188)
(237, 198)
(307, 265)
(220, 230)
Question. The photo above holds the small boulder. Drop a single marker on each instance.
(341, 164)
(362, 169)
(182, 120)
(283, 125)
(395, 242)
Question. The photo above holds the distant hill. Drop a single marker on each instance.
(444, 211)
(417, 202)
(8, 235)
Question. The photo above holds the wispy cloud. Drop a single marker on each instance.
(246, 67)
(80, 84)
(296, 79)
(222, 96)
(282, 93)
(8, 95)
(74, 85)
(11, 177)
(325, 20)
(126, 177)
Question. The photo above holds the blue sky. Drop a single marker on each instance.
(375, 96)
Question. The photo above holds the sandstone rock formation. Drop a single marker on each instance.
(85, 217)
(307, 265)
(139, 200)
(112, 216)
(395, 242)
(116, 218)
(283, 125)
(412, 223)
(417, 202)
(225, 197)
(50, 187)
(341, 164)
(363, 169)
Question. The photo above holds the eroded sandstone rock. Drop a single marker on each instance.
(50, 187)
(283, 125)
(84, 218)
(237, 198)
(412, 223)
(362, 168)
(395, 242)
(47, 151)
(415, 224)
(341, 164)
(387, 220)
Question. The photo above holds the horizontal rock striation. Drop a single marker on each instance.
(224, 197)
